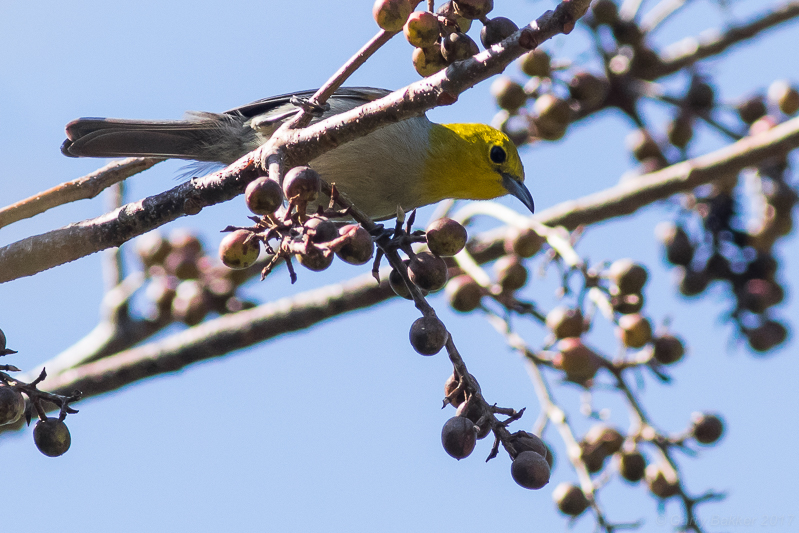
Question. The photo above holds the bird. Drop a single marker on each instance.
(407, 164)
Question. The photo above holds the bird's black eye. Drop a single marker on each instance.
(497, 155)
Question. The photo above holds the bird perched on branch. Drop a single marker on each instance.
(409, 164)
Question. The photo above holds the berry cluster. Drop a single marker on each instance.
(615, 291)
(552, 109)
(727, 232)
(50, 434)
(532, 459)
(440, 38)
(602, 442)
(312, 240)
(425, 272)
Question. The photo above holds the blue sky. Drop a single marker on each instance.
(338, 428)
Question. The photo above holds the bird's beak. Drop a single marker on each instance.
(517, 189)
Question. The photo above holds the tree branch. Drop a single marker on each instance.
(221, 336)
(82, 188)
(691, 50)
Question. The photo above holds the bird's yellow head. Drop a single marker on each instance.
(473, 162)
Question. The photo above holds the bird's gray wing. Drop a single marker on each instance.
(348, 97)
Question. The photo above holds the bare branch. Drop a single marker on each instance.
(221, 336)
(690, 50)
(629, 196)
(82, 188)
(663, 10)
(113, 263)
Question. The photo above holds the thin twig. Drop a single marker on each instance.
(82, 188)
(348, 68)
(658, 14)
(629, 9)
(113, 267)
(556, 415)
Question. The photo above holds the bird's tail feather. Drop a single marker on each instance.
(183, 139)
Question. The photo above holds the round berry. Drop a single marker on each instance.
(239, 249)
(628, 276)
(12, 404)
(634, 330)
(320, 229)
(536, 63)
(315, 259)
(578, 361)
(302, 183)
(427, 61)
(766, 336)
(707, 428)
(523, 242)
(751, 109)
(446, 237)
(152, 248)
(588, 89)
(458, 437)
(668, 349)
(524, 441)
(511, 273)
(359, 247)
(605, 12)
(427, 271)
(428, 335)
(52, 437)
(530, 470)
(263, 196)
(641, 144)
(473, 9)
(457, 46)
(570, 499)
(464, 293)
(565, 322)
(632, 466)
(661, 485)
(497, 30)
(398, 284)
(459, 23)
(677, 244)
(391, 15)
(508, 94)
(785, 96)
(421, 30)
